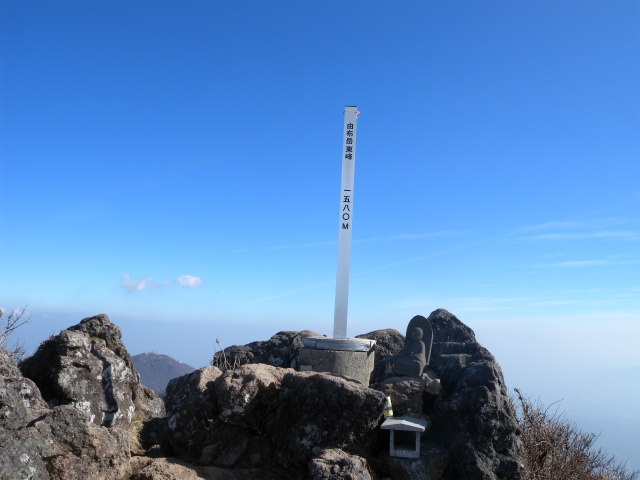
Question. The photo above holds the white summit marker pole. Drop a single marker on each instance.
(345, 223)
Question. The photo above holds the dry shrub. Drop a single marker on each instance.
(555, 449)
(9, 324)
(221, 361)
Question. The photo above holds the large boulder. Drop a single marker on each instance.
(472, 416)
(263, 416)
(100, 327)
(20, 404)
(60, 443)
(150, 418)
(246, 394)
(431, 465)
(388, 342)
(145, 468)
(281, 350)
(87, 367)
(191, 409)
(74, 448)
(334, 464)
(321, 410)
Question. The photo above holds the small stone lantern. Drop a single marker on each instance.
(408, 424)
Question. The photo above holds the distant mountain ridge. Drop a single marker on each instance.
(156, 370)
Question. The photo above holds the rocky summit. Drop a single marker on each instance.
(76, 410)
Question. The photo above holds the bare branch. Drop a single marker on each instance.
(9, 324)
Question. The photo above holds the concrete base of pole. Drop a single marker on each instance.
(348, 361)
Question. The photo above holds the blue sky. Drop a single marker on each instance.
(176, 165)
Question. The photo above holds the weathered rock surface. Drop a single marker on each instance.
(260, 415)
(151, 413)
(406, 395)
(88, 367)
(320, 410)
(74, 448)
(246, 394)
(472, 416)
(100, 327)
(61, 443)
(334, 464)
(20, 457)
(20, 399)
(388, 342)
(145, 468)
(20, 404)
(281, 350)
(191, 409)
(431, 465)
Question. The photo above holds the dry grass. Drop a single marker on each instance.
(135, 427)
(555, 449)
(221, 361)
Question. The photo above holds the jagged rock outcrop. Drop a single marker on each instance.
(281, 350)
(334, 464)
(258, 419)
(472, 416)
(151, 417)
(245, 395)
(59, 443)
(176, 469)
(388, 342)
(74, 448)
(260, 415)
(20, 404)
(321, 410)
(431, 465)
(88, 367)
(191, 409)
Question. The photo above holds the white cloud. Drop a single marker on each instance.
(135, 284)
(189, 281)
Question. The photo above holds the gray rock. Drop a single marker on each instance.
(431, 465)
(334, 464)
(177, 469)
(78, 369)
(100, 327)
(281, 350)
(406, 394)
(472, 416)
(74, 448)
(151, 413)
(20, 399)
(226, 450)
(260, 415)
(61, 443)
(246, 394)
(20, 404)
(388, 342)
(320, 410)
(20, 457)
(191, 409)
